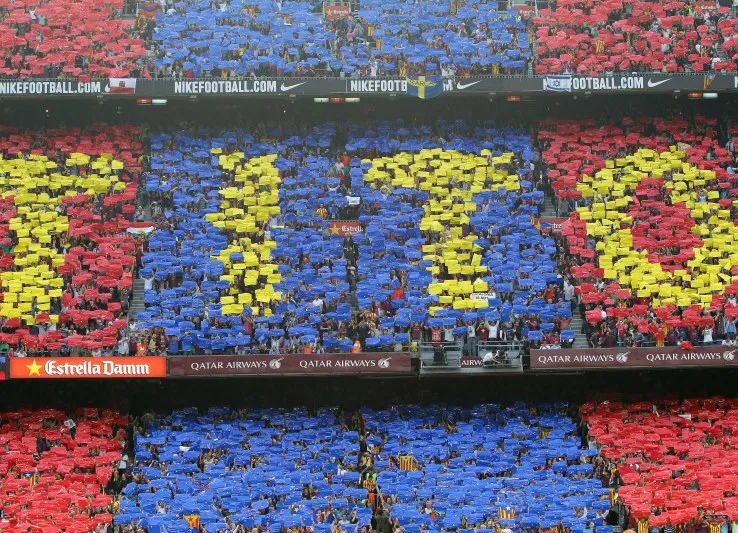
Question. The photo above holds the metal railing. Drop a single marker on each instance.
(491, 354)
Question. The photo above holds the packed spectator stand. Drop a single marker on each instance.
(673, 462)
(649, 241)
(267, 38)
(251, 38)
(67, 259)
(595, 38)
(82, 40)
(424, 468)
(247, 260)
(55, 468)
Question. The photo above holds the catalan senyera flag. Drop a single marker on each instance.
(407, 462)
(599, 46)
(715, 527)
(193, 520)
(643, 525)
(424, 87)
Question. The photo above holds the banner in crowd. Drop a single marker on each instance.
(307, 364)
(624, 358)
(551, 224)
(3, 367)
(345, 227)
(337, 12)
(87, 367)
(376, 86)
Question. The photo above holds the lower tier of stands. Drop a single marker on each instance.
(54, 467)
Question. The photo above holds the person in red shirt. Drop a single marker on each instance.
(483, 331)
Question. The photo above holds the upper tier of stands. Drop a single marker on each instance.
(53, 467)
(263, 37)
(68, 39)
(597, 37)
(247, 261)
(672, 458)
(67, 199)
(232, 38)
(651, 236)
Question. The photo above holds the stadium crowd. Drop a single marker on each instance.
(232, 38)
(237, 38)
(595, 38)
(78, 40)
(67, 260)
(57, 470)
(649, 241)
(250, 260)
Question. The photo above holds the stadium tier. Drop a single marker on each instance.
(67, 261)
(58, 39)
(651, 234)
(596, 37)
(294, 39)
(253, 257)
(428, 468)
(672, 459)
(244, 38)
(485, 468)
(53, 469)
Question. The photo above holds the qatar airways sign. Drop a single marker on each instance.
(307, 364)
(615, 358)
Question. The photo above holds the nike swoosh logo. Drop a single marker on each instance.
(657, 83)
(461, 86)
(284, 87)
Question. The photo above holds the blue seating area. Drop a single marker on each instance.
(256, 471)
(473, 468)
(426, 38)
(477, 467)
(250, 264)
(232, 38)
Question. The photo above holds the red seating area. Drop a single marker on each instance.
(673, 459)
(60, 487)
(68, 260)
(650, 241)
(596, 37)
(573, 148)
(68, 39)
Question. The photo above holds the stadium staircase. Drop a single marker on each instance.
(580, 340)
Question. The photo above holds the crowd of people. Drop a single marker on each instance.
(78, 40)
(67, 262)
(232, 38)
(249, 260)
(594, 38)
(408, 469)
(648, 243)
(672, 461)
(237, 38)
(58, 471)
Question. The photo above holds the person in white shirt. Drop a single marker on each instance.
(448, 334)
